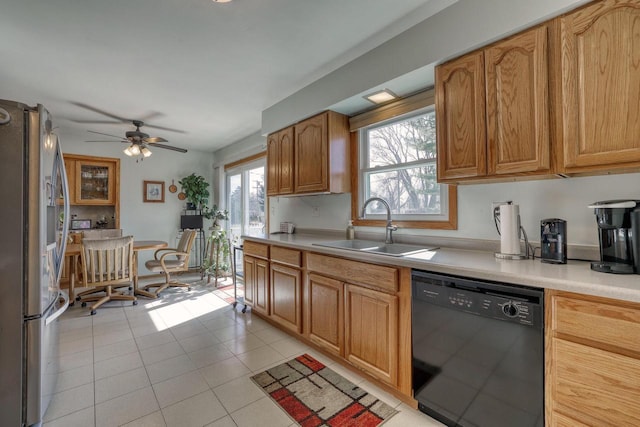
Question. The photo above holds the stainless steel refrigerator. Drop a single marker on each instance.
(34, 215)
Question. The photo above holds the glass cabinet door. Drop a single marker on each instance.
(95, 183)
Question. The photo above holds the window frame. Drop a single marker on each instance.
(389, 113)
(242, 167)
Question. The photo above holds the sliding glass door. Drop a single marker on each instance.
(246, 199)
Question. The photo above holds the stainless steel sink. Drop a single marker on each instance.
(391, 249)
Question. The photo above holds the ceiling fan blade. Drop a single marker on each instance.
(164, 128)
(105, 134)
(151, 115)
(99, 111)
(154, 139)
(169, 147)
(104, 141)
(97, 122)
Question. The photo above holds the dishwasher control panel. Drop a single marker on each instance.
(496, 300)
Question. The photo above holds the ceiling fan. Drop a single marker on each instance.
(139, 142)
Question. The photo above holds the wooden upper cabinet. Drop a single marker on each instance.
(280, 162)
(492, 110)
(312, 155)
(285, 143)
(518, 104)
(93, 181)
(460, 118)
(601, 86)
(273, 165)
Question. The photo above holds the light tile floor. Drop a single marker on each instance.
(183, 360)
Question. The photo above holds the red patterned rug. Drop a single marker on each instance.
(314, 395)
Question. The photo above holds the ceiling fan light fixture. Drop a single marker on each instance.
(135, 149)
(146, 152)
(127, 151)
(222, 1)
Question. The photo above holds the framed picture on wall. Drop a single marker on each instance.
(153, 192)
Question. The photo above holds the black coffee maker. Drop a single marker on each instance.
(616, 236)
(553, 240)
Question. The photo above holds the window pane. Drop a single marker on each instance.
(403, 141)
(408, 191)
(256, 202)
(235, 205)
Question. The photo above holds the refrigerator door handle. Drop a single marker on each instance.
(59, 166)
(53, 316)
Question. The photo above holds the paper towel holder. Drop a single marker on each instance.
(518, 229)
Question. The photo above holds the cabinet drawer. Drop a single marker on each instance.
(361, 273)
(595, 386)
(286, 256)
(256, 249)
(608, 322)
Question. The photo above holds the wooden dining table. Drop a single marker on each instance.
(75, 249)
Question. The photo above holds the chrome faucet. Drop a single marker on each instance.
(388, 238)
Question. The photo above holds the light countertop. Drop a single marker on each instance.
(575, 276)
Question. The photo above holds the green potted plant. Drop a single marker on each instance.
(196, 191)
(215, 214)
(218, 260)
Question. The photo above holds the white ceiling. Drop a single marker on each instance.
(207, 68)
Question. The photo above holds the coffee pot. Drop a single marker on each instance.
(553, 241)
(618, 236)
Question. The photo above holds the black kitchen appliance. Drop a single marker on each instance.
(615, 236)
(478, 351)
(553, 240)
(635, 229)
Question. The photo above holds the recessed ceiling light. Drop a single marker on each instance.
(382, 96)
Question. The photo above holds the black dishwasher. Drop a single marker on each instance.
(478, 351)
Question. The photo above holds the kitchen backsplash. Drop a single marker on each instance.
(561, 198)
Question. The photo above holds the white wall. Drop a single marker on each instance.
(556, 198)
(147, 221)
(465, 25)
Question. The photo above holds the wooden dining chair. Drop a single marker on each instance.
(107, 263)
(101, 233)
(171, 261)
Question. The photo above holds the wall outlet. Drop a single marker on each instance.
(315, 211)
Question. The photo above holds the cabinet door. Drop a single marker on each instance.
(249, 266)
(371, 332)
(311, 155)
(95, 183)
(594, 386)
(261, 301)
(601, 86)
(286, 296)
(273, 165)
(326, 307)
(285, 145)
(460, 118)
(518, 104)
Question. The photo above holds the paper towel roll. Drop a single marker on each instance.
(510, 229)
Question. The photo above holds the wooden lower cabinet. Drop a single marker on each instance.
(286, 298)
(371, 331)
(325, 308)
(256, 284)
(357, 311)
(593, 361)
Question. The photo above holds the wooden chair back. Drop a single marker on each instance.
(107, 262)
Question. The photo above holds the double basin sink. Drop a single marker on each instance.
(391, 249)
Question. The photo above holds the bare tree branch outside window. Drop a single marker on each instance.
(401, 166)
